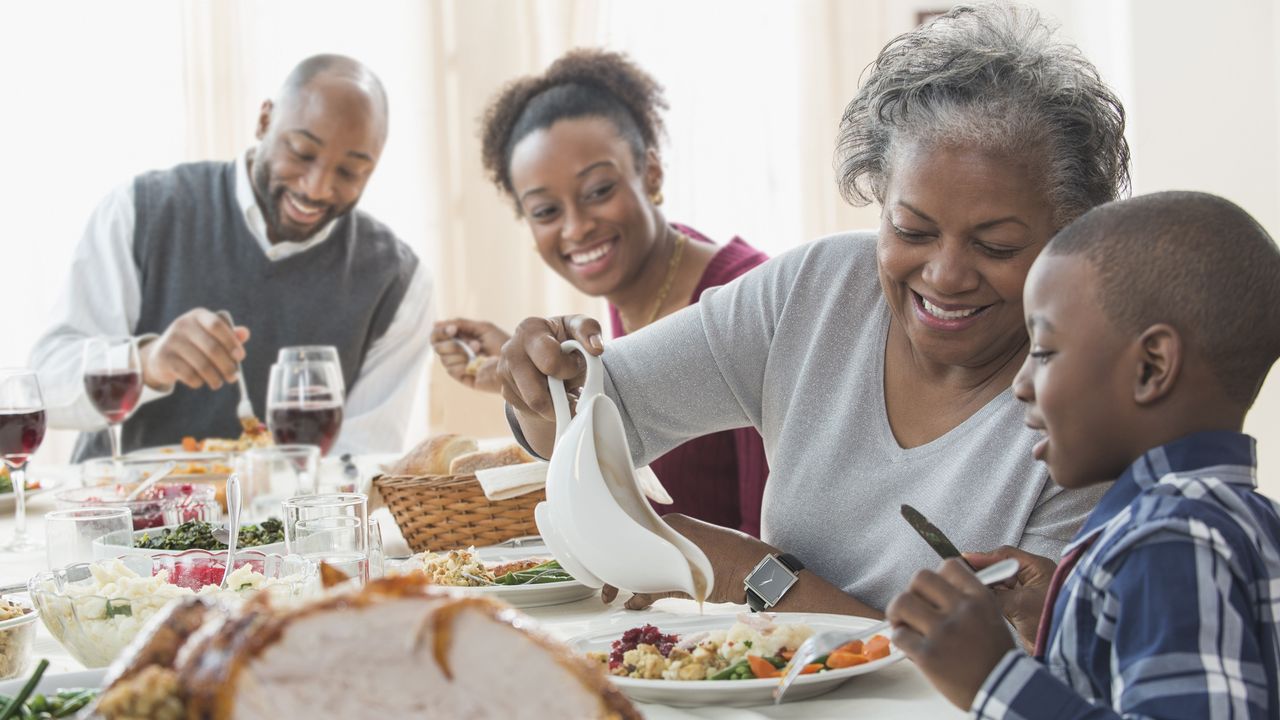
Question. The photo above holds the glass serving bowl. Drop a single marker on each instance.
(165, 503)
(197, 468)
(17, 635)
(95, 609)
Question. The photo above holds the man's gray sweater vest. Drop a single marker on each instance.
(192, 248)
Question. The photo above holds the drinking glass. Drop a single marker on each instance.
(72, 534)
(330, 528)
(304, 403)
(313, 353)
(377, 557)
(272, 475)
(113, 381)
(22, 424)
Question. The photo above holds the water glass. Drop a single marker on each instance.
(331, 528)
(271, 475)
(112, 373)
(84, 534)
(22, 425)
(304, 403)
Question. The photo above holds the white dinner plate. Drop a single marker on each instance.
(521, 596)
(735, 693)
(48, 481)
(53, 682)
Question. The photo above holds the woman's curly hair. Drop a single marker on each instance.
(990, 77)
(581, 83)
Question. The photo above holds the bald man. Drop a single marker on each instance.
(271, 237)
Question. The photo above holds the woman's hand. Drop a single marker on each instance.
(483, 338)
(1022, 599)
(732, 555)
(530, 357)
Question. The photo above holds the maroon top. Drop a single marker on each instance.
(720, 477)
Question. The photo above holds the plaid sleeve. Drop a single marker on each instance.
(1182, 643)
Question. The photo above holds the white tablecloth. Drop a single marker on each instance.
(899, 691)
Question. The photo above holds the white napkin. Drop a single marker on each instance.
(515, 480)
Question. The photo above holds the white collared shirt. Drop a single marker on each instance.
(103, 297)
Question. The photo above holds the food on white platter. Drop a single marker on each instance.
(398, 648)
(753, 648)
(464, 568)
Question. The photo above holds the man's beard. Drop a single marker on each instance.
(270, 198)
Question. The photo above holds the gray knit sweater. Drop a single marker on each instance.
(796, 349)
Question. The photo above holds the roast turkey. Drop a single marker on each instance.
(399, 648)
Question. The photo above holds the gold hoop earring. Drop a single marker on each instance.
(657, 198)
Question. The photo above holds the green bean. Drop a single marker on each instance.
(18, 700)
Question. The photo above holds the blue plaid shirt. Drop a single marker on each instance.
(1173, 611)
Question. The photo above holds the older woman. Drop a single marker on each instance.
(877, 365)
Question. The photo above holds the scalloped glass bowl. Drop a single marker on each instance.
(17, 635)
(164, 504)
(95, 609)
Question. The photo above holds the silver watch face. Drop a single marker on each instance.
(770, 580)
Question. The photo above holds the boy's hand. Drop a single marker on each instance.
(1022, 599)
(949, 624)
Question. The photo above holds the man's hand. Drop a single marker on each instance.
(197, 349)
(483, 338)
(1022, 599)
(732, 555)
(949, 624)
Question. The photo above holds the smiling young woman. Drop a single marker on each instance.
(577, 151)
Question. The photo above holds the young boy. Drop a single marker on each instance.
(1153, 323)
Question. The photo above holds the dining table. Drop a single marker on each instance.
(896, 691)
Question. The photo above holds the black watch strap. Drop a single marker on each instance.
(790, 562)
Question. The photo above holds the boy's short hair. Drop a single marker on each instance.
(1195, 261)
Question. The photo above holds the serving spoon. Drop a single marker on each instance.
(231, 534)
(824, 642)
(146, 485)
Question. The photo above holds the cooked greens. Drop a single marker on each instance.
(547, 572)
(198, 535)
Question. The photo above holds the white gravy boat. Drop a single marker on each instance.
(596, 519)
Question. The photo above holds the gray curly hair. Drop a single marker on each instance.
(990, 77)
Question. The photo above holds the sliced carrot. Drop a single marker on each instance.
(877, 647)
(838, 660)
(189, 444)
(812, 668)
(762, 668)
(853, 646)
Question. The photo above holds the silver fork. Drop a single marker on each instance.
(828, 640)
(244, 410)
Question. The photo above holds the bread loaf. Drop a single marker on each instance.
(433, 455)
(471, 462)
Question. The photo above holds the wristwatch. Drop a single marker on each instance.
(770, 580)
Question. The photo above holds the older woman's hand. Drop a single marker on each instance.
(732, 555)
(531, 356)
(485, 341)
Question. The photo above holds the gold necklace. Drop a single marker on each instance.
(672, 265)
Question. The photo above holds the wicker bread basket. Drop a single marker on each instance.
(442, 512)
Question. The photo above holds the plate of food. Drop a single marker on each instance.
(266, 537)
(730, 660)
(524, 577)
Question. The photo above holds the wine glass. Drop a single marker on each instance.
(304, 403)
(22, 424)
(113, 381)
(313, 353)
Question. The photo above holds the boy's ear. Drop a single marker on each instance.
(1160, 349)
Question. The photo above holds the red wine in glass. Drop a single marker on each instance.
(113, 392)
(306, 423)
(21, 432)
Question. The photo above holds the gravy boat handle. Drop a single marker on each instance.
(593, 386)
